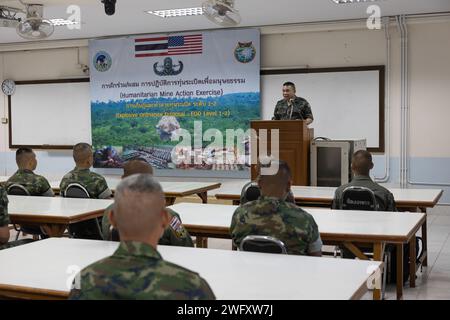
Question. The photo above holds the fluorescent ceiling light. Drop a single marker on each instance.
(170, 13)
(352, 1)
(62, 22)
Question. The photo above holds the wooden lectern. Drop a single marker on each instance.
(294, 144)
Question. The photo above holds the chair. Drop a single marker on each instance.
(250, 192)
(358, 198)
(363, 199)
(263, 244)
(76, 190)
(89, 229)
(18, 190)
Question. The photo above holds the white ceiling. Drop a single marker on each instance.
(131, 19)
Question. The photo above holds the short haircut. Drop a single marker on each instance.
(23, 155)
(136, 166)
(362, 162)
(281, 177)
(81, 152)
(290, 84)
(138, 203)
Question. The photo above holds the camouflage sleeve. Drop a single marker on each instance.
(315, 242)
(63, 185)
(276, 112)
(43, 187)
(4, 217)
(176, 234)
(235, 227)
(306, 111)
(206, 292)
(106, 224)
(390, 202)
(103, 190)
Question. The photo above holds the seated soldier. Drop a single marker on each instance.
(243, 199)
(361, 166)
(35, 185)
(136, 270)
(4, 221)
(4, 218)
(94, 183)
(174, 235)
(271, 215)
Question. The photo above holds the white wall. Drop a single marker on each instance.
(429, 78)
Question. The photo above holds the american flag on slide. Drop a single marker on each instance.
(168, 46)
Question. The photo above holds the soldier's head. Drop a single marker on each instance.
(362, 163)
(136, 166)
(139, 209)
(26, 159)
(278, 184)
(82, 155)
(288, 90)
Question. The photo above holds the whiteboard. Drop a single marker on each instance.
(50, 114)
(345, 104)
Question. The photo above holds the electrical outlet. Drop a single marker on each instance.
(4, 120)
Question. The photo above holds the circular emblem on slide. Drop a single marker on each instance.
(245, 52)
(102, 61)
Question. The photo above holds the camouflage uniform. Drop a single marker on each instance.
(137, 271)
(384, 197)
(94, 183)
(35, 184)
(301, 110)
(4, 217)
(4, 220)
(174, 235)
(277, 218)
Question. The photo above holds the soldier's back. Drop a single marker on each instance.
(36, 185)
(94, 183)
(384, 197)
(276, 218)
(137, 271)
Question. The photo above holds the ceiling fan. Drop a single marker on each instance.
(34, 26)
(221, 12)
(29, 23)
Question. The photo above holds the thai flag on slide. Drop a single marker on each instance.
(168, 46)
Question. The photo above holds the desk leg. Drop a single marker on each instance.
(399, 257)
(424, 239)
(377, 256)
(412, 262)
(201, 242)
(203, 196)
(54, 230)
(170, 201)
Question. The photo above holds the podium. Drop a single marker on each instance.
(294, 145)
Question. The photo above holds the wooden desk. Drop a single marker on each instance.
(172, 190)
(54, 214)
(415, 200)
(404, 198)
(348, 228)
(258, 276)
